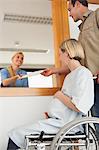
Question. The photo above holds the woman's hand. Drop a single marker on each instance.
(58, 94)
(19, 77)
(66, 100)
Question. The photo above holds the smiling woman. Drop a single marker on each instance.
(11, 76)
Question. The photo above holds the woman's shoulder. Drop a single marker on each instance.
(86, 70)
(4, 70)
(83, 71)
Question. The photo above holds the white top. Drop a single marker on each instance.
(77, 85)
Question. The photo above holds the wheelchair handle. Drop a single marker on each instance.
(41, 136)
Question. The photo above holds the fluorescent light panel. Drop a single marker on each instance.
(27, 19)
(24, 50)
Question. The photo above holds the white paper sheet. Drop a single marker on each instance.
(32, 74)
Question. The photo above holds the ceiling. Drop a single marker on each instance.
(24, 32)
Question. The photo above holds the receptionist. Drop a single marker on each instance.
(11, 76)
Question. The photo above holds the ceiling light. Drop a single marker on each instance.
(27, 19)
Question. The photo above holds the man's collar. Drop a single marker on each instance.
(85, 15)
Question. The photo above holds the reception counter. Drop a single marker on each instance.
(27, 91)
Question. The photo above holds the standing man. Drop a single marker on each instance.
(89, 39)
(89, 31)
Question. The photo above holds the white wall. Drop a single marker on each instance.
(16, 111)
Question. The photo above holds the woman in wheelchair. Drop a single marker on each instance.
(71, 102)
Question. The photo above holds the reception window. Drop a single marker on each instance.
(36, 80)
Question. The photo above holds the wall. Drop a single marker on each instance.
(16, 111)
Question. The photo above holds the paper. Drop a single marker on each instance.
(32, 74)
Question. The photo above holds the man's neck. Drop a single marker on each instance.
(83, 10)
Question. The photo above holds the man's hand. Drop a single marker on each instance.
(54, 70)
(48, 72)
(98, 79)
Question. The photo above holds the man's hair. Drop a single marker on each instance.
(83, 2)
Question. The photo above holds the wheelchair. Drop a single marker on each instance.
(64, 139)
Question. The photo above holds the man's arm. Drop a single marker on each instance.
(53, 70)
(97, 16)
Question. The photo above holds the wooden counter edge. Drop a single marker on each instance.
(10, 92)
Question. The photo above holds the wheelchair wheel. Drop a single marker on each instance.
(85, 141)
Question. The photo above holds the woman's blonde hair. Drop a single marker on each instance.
(73, 48)
(19, 52)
